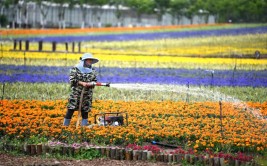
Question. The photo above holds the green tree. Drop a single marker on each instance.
(250, 10)
(118, 12)
(12, 5)
(2, 6)
(140, 7)
(237, 10)
(212, 8)
(3, 20)
(177, 9)
(263, 15)
(160, 8)
(191, 10)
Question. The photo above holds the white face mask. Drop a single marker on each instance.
(83, 68)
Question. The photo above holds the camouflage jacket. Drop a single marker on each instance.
(76, 90)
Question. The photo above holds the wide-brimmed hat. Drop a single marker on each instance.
(89, 56)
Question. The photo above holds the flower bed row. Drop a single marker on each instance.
(149, 36)
(131, 152)
(33, 32)
(33, 74)
(164, 50)
(195, 125)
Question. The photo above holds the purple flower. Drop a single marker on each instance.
(196, 77)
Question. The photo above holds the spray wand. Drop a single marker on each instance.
(101, 84)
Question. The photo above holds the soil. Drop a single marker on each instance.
(11, 160)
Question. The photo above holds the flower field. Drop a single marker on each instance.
(194, 125)
(199, 88)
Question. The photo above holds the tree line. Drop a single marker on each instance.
(223, 10)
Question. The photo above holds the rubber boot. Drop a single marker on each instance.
(66, 122)
(84, 122)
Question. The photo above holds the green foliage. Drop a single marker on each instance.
(261, 159)
(88, 154)
(3, 21)
(42, 91)
(36, 139)
(15, 147)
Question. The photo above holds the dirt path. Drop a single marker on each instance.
(10, 160)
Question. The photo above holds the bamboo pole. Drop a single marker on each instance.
(80, 108)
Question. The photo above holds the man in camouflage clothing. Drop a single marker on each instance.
(82, 78)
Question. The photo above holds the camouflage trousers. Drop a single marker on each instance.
(75, 97)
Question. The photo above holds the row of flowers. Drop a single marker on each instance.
(137, 60)
(130, 152)
(179, 150)
(52, 74)
(196, 125)
(36, 32)
(219, 46)
(150, 35)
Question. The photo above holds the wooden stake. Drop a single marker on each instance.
(108, 149)
(216, 161)
(149, 155)
(222, 162)
(144, 155)
(39, 149)
(112, 153)
(28, 149)
(170, 158)
(129, 154)
(117, 154)
(135, 155)
(33, 149)
(103, 151)
(122, 154)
